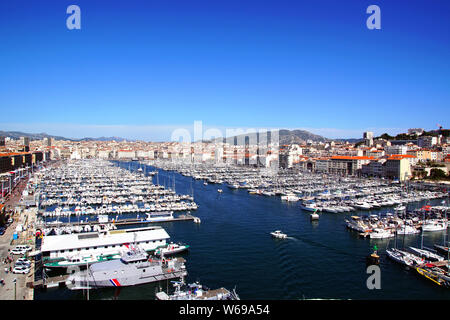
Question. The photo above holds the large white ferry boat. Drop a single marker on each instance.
(104, 244)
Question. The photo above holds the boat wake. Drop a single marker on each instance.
(317, 244)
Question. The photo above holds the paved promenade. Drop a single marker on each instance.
(15, 285)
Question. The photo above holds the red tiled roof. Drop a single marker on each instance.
(400, 156)
(351, 158)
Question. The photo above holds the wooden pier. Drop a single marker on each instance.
(51, 282)
(122, 222)
(181, 217)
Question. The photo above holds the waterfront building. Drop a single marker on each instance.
(126, 154)
(374, 168)
(322, 164)
(347, 165)
(398, 166)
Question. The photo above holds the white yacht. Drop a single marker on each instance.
(357, 224)
(290, 197)
(434, 225)
(379, 233)
(429, 255)
(406, 229)
(278, 234)
(310, 207)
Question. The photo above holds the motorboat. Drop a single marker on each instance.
(379, 233)
(357, 224)
(406, 229)
(427, 254)
(403, 257)
(196, 291)
(171, 248)
(434, 225)
(278, 234)
(310, 206)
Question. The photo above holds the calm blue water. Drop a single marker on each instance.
(232, 247)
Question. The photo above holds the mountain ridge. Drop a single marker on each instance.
(296, 136)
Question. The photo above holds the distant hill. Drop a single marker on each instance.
(405, 136)
(299, 137)
(39, 136)
(285, 137)
(33, 136)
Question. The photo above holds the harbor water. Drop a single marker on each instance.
(232, 247)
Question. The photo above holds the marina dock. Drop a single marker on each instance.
(51, 282)
(125, 222)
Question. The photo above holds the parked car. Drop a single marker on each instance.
(2, 231)
(23, 263)
(21, 269)
(23, 260)
(18, 251)
(23, 247)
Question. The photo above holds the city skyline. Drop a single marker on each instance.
(143, 69)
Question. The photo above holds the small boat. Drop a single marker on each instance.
(429, 255)
(278, 234)
(434, 226)
(219, 190)
(196, 291)
(404, 258)
(310, 207)
(80, 261)
(405, 229)
(379, 233)
(197, 220)
(436, 277)
(171, 248)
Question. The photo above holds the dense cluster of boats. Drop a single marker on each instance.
(378, 226)
(319, 192)
(126, 257)
(96, 187)
(111, 257)
(431, 263)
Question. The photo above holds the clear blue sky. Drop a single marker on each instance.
(162, 64)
